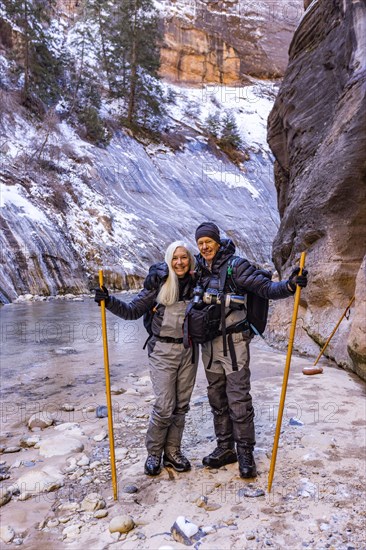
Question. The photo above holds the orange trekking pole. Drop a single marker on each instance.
(318, 370)
(285, 376)
(108, 390)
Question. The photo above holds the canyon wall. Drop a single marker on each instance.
(317, 132)
(226, 42)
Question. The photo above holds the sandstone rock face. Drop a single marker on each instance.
(357, 337)
(317, 132)
(193, 56)
(223, 41)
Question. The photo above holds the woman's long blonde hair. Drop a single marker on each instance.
(169, 292)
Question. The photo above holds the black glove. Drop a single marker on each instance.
(296, 279)
(158, 273)
(101, 293)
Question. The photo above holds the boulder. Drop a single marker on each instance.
(40, 481)
(60, 446)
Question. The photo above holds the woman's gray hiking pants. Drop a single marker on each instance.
(172, 376)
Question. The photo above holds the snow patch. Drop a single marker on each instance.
(12, 195)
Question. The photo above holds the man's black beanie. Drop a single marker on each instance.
(208, 229)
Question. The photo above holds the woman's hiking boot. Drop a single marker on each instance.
(152, 465)
(247, 467)
(220, 457)
(176, 459)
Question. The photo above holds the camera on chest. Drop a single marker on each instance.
(213, 296)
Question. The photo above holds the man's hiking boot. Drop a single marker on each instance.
(175, 459)
(152, 465)
(220, 457)
(247, 466)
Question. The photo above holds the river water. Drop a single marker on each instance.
(50, 347)
(52, 354)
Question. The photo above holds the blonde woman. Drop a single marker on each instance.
(172, 367)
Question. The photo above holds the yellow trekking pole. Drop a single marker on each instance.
(108, 390)
(318, 370)
(285, 376)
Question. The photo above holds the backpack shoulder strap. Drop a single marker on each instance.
(148, 317)
(230, 272)
(225, 270)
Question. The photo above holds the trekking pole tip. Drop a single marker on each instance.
(312, 370)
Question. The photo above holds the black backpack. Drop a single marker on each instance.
(147, 319)
(257, 307)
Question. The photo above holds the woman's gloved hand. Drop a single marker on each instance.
(101, 293)
(296, 279)
(158, 273)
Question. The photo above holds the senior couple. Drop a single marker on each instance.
(164, 301)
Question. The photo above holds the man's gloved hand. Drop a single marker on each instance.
(158, 273)
(101, 293)
(296, 279)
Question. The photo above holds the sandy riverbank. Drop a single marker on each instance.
(318, 494)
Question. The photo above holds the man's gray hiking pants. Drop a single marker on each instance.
(229, 392)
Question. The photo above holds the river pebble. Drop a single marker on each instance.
(4, 471)
(132, 391)
(100, 436)
(40, 420)
(99, 514)
(30, 441)
(5, 497)
(250, 492)
(7, 533)
(67, 407)
(83, 460)
(95, 464)
(24, 496)
(71, 429)
(72, 531)
(117, 390)
(295, 422)
(92, 502)
(183, 530)
(121, 453)
(121, 524)
(101, 411)
(54, 522)
(12, 449)
(65, 351)
(130, 489)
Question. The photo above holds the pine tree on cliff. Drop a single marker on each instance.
(212, 125)
(96, 25)
(41, 68)
(126, 40)
(230, 133)
(136, 37)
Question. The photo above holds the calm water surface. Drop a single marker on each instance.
(46, 340)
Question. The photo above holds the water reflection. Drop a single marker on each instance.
(44, 340)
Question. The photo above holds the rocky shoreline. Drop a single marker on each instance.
(56, 481)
